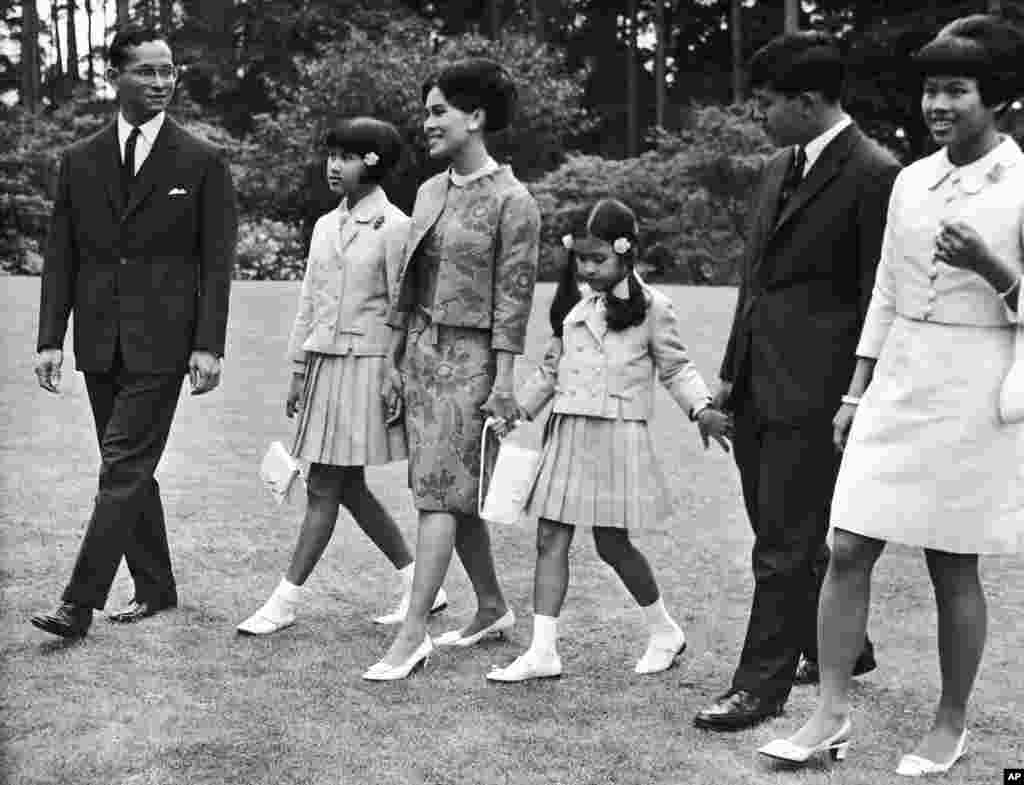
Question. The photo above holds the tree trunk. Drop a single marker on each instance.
(166, 16)
(632, 86)
(659, 63)
(55, 24)
(123, 12)
(89, 64)
(72, 33)
(791, 22)
(494, 19)
(736, 35)
(29, 56)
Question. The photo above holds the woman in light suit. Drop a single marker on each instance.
(928, 461)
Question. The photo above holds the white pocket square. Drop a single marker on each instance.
(177, 192)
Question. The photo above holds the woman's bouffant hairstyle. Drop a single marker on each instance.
(794, 63)
(362, 135)
(477, 83)
(982, 47)
(608, 221)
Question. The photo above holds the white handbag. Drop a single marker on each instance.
(1011, 393)
(280, 472)
(503, 491)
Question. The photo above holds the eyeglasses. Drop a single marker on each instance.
(149, 73)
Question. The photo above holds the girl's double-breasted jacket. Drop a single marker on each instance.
(610, 374)
(489, 257)
(351, 275)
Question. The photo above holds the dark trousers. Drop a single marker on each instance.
(788, 474)
(133, 414)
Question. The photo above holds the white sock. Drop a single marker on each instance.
(286, 597)
(545, 635)
(660, 624)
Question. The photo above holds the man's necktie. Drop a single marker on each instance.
(128, 167)
(793, 177)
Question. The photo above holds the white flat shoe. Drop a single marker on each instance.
(380, 671)
(497, 629)
(397, 616)
(835, 745)
(660, 656)
(261, 623)
(916, 766)
(527, 667)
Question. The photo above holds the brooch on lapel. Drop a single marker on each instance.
(995, 174)
(379, 222)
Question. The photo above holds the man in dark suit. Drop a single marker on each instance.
(141, 249)
(814, 244)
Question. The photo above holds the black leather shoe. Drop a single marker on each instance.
(737, 709)
(68, 620)
(141, 609)
(807, 670)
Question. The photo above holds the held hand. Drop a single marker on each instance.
(391, 390)
(722, 396)
(841, 424)
(293, 403)
(48, 363)
(714, 424)
(203, 371)
(959, 245)
(502, 405)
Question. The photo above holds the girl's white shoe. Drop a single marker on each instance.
(661, 654)
(835, 745)
(496, 629)
(397, 616)
(264, 623)
(916, 766)
(528, 666)
(381, 671)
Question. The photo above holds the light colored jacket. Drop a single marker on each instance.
(350, 278)
(988, 195)
(608, 374)
(489, 265)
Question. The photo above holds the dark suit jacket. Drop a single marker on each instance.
(807, 281)
(152, 271)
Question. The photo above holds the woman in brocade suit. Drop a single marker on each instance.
(465, 292)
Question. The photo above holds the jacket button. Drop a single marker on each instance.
(124, 261)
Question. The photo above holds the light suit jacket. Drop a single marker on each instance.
(350, 278)
(608, 374)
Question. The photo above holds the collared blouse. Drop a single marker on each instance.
(988, 195)
(350, 277)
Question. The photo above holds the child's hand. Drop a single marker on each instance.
(293, 403)
(714, 423)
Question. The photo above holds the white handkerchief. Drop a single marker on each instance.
(177, 192)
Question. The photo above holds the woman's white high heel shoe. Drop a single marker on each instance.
(916, 766)
(397, 616)
(835, 745)
(381, 671)
(497, 629)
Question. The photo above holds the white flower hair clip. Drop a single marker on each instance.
(567, 242)
(371, 159)
(621, 245)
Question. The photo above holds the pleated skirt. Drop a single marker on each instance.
(343, 420)
(599, 472)
(928, 461)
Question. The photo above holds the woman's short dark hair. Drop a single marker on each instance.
(794, 63)
(477, 83)
(128, 38)
(982, 47)
(362, 135)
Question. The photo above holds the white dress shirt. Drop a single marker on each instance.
(814, 148)
(147, 135)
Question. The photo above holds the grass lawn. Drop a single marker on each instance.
(180, 699)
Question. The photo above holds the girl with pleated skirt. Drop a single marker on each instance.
(597, 466)
(337, 348)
